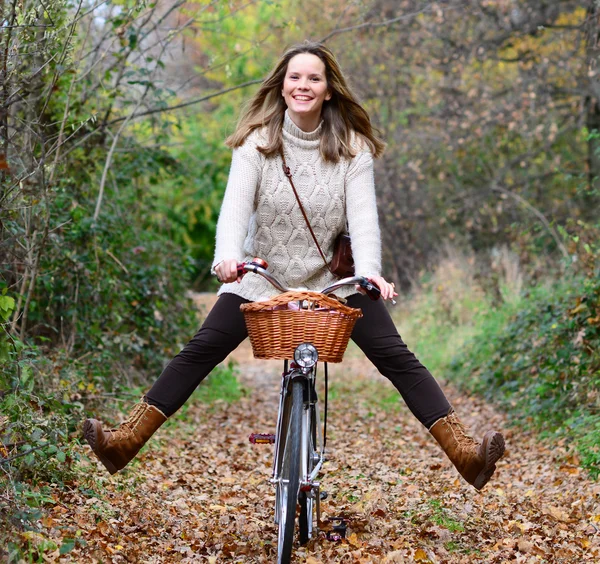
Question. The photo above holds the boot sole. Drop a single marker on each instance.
(90, 432)
(493, 447)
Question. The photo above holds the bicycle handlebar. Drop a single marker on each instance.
(259, 266)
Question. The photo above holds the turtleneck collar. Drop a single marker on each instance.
(293, 130)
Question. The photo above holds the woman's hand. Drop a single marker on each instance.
(226, 271)
(388, 291)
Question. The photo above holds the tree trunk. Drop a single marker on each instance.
(592, 101)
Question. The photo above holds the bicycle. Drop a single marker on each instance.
(294, 326)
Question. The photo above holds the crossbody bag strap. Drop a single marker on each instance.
(288, 173)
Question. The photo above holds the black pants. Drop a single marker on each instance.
(375, 333)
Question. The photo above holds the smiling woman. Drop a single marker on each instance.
(305, 89)
(305, 109)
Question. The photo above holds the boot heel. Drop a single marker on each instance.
(90, 432)
(493, 447)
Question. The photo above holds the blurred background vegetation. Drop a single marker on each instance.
(112, 169)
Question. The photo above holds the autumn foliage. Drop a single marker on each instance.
(112, 169)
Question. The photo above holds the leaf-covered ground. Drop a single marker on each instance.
(200, 491)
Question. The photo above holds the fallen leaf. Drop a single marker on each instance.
(353, 540)
(421, 556)
(524, 545)
(557, 513)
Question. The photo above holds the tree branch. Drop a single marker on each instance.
(372, 25)
(189, 102)
(538, 214)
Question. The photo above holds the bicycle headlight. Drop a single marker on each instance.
(306, 355)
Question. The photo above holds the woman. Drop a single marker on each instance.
(305, 110)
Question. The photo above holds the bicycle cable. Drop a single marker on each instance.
(325, 415)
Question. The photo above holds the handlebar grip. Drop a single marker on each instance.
(254, 262)
(372, 290)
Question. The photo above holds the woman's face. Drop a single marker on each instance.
(305, 89)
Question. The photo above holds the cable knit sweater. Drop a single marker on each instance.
(260, 216)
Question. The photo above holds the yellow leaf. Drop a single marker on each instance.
(421, 556)
(353, 540)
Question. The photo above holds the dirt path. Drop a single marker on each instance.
(200, 492)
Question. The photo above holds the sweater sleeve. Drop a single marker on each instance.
(238, 203)
(361, 211)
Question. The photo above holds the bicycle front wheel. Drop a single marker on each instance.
(289, 478)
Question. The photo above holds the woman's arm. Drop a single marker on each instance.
(363, 224)
(361, 211)
(238, 204)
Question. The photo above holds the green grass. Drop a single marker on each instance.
(443, 517)
(374, 394)
(435, 337)
(221, 384)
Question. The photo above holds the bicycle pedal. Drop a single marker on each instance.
(262, 438)
(339, 528)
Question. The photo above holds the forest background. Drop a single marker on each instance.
(112, 169)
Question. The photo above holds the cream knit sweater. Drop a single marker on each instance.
(260, 216)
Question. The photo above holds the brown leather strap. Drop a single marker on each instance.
(288, 173)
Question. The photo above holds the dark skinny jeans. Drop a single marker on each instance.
(375, 333)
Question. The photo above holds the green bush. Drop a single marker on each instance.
(543, 364)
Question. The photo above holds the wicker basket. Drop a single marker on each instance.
(276, 330)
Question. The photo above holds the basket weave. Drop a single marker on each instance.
(275, 330)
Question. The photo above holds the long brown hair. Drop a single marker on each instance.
(342, 114)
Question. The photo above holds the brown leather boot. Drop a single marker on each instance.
(117, 447)
(475, 462)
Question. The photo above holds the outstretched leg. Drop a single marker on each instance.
(222, 331)
(377, 336)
